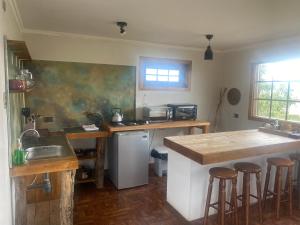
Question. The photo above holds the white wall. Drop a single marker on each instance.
(205, 74)
(237, 70)
(8, 27)
(91, 50)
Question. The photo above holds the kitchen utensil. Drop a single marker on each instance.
(28, 77)
(17, 84)
(25, 112)
(117, 115)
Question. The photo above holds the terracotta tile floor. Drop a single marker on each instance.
(144, 205)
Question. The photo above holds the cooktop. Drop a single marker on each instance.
(129, 123)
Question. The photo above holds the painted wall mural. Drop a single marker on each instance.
(67, 90)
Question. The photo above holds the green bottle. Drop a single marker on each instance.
(18, 155)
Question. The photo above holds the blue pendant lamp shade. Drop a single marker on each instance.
(208, 54)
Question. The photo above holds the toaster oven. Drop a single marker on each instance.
(183, 111)
(157, 113)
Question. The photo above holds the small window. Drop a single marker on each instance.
(164, 74)
(275, 92)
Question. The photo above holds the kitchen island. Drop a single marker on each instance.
(192, 156)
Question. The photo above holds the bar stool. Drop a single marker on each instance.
(280, 164)
(247, 169)
(296, 158)
(223, 174)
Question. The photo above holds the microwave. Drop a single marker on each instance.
(157, 113)
(183, 111)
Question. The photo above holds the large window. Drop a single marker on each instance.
(276, 91)
(166, 74)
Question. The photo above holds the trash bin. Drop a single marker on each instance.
(160, 155)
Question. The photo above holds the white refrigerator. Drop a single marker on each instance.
(128, 156)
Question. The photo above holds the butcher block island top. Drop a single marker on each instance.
(225, 146)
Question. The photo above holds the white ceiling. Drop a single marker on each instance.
(235, 23)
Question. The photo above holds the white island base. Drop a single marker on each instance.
(187, 182)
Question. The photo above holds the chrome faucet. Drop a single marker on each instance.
(276, 124)
(20, 141)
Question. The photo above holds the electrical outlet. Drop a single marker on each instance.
(4, 5)
(48, 119)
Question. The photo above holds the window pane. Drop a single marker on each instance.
(174, 72)
(173, 78)
(288, 69)
(163, 78)
(294, 111)
(295, 91)
(264, 90)
(162, 72)
(151, 71)
(262, 108)
(280, 90)
(263, 73)
(278, 110)
(151, 77)
(284, 90)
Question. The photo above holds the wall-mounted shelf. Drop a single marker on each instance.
(19, 49)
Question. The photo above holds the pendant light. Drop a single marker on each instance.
(208, 55)
(122, 25)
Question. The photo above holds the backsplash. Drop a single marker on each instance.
(66, 90)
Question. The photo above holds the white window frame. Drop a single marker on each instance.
(184, 66)
(252, 106)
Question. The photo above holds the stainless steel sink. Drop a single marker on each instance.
(44, 152)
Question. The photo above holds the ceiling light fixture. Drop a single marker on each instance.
(122, 26)
(208, 55)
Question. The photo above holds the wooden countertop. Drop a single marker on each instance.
(163, 125)
(225, 146)
(68, 162)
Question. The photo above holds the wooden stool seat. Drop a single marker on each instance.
(223, 173)
(281, 162)
(295, 156)
(247, 167)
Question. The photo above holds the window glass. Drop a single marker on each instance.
(164, 74)
(276, 91)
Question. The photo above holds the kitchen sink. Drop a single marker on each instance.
(44, 152)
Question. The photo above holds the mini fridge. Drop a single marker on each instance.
(128, 159)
